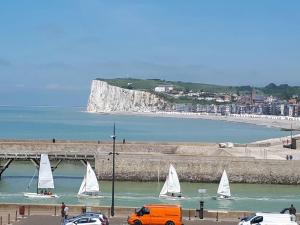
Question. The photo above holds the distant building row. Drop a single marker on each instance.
(261, 109)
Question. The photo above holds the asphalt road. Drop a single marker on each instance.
(55, 220)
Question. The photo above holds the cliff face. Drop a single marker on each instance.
(107, 98)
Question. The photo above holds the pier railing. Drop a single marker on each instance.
(7, 158)
(26, 156)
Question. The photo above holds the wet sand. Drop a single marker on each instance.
(261, 120)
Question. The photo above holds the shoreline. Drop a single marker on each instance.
(281, 122)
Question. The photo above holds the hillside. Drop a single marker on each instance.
(283, 91)
(150, 84)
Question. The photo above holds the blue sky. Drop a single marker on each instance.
(51, 50)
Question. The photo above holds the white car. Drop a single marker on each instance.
(268, 219)
(85, 221)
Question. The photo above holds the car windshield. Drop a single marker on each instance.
(139, 210)
(247, 218)
(82, 220)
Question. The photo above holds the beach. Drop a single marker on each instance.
(284, 122)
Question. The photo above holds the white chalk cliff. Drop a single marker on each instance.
(108, 98)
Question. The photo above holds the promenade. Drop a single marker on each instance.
(20, 214)
(55, 220)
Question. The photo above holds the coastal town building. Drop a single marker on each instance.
(225, 104)
(295, 143)
(164, 88)
(170, 98)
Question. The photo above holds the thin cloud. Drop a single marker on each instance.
(52, 30)
(5, 62)
(56, 65)
(63, 87)
(20, 85)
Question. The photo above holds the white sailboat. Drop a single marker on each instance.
(224, 188)
(171, 188)
(45, 180)
(89, 186)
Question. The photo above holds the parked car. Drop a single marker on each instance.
(268, 218)
(157, 214)
(104, 219)
(85, 221)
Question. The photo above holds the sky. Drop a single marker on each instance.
(50, 51)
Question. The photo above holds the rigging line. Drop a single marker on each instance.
(31, 179)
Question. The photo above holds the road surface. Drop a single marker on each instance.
(55, 220)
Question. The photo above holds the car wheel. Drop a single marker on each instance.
(170, 223)
(137, 222)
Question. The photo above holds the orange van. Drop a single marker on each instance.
(157, 214)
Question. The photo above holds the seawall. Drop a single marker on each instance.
(194, 162)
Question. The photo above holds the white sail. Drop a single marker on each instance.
(224, 188)
(82, 186)
(164, 189)
(89, 183)
(45, 180)
(172, 185)
(91, 180)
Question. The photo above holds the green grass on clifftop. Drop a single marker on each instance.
(283, 91)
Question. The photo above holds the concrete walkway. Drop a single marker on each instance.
(40, 220)
(55, 220)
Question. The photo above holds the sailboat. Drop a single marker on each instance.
(224, 188)
(89, 186)
(171, 188)
(45, 180)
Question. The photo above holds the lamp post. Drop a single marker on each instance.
(113, 175)
(291, 135)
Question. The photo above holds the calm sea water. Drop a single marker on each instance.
(74, 124)
(68, 177)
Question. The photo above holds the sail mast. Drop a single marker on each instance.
(37, 182)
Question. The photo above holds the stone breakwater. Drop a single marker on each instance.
(194, 162)
(108, 98)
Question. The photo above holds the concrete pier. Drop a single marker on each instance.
(194, 162)
(7, 158)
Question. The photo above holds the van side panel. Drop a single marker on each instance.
(146, 218)
(157, 214)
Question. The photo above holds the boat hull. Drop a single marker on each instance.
(222, 198)
(39, 196)
(171, 197)
(89, 196)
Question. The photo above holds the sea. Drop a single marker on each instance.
(45, 123)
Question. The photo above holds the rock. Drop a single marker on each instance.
(108, 98)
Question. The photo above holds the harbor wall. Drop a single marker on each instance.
(202, 169)
(194, 162)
